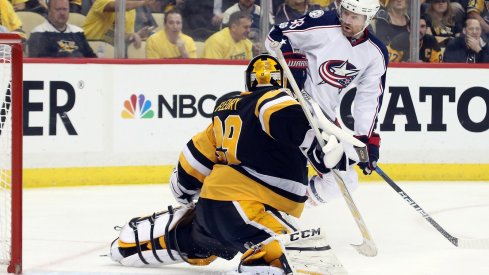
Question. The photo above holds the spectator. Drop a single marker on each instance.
(9, 19)
(171, 42)
(429, 50)
(478, 9)
(37, 6)
(249, 7)
(469, 47)
(392, 22)
(75, 6)
(99, 24)
(333, 5)
(231, 42)
(219, 6)
(197, 19)
(144, 18)
(293, 9)
(56, 38)
(440, 18)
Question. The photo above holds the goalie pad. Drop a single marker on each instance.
(302, 252)
(309, 252)
(145, 240)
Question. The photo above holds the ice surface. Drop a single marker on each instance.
(68, 230)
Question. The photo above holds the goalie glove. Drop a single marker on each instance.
(298, 67)
(181, 194)
(373, 146)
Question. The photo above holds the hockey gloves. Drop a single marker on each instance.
(327, 157)
(373, 145)
(181, 194)
(298, 66)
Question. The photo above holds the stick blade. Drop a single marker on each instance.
(473, 243)
(366, 248)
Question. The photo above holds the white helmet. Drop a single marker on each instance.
(364, 7)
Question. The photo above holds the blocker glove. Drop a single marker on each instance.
(373, 145)
(181, 194)
(331, 156)
(298, 66)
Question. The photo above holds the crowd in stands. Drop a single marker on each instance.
(449, 30)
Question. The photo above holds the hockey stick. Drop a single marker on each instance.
(367, 247)
(458, 242)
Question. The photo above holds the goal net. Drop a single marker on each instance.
(10, 153)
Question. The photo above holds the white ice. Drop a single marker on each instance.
(69, 230)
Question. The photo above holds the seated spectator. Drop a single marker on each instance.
(333, 5)
(469, 47)
(293, 9)
(198, 19)
(478, 9)
(219, 7)
(56, 38)
(429, 50)
(170, 42)
(144, 18)
(75, 6)
(441, 21)
(249, 7)
(37, 6)
(9, 19)
(231, 42)
(393, 21)
(99, 24)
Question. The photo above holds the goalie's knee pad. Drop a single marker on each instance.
(301, 252)
(146, 240)
(309, 253)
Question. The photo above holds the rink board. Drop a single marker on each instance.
(123, 122)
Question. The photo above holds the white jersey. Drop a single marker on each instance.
(336, 63)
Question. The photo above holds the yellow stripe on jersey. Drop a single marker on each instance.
(204, 145)
(274, 106)
(266, 96)
(205, 142)
(239, 187)
(191, 169)
(257, 216)
(265, 111)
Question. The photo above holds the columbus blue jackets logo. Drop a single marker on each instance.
(337, 73)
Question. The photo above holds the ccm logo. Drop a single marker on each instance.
(304, 234)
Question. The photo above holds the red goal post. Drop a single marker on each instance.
(11, 152)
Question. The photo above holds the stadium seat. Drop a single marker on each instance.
(76, 19)
(132, 52)
(106, 48)
(200, 48)
(29, 21)
(159, 17)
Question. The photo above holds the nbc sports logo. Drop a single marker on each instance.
(137, 107)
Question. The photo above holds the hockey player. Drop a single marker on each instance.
(329, 53)
(248, 171)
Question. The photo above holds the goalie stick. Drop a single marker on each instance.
(367, 247)
(458, 242)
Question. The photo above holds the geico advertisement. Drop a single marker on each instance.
(144, 114)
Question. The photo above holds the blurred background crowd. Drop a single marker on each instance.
(446, 30)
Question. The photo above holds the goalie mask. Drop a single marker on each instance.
(264, 71)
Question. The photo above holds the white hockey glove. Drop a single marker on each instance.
(182, 195)
(325, 158)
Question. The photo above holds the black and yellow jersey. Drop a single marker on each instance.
(429, 50)
(250, 151)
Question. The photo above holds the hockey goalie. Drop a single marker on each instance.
(242, 184)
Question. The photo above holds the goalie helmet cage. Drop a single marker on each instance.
(11, 153)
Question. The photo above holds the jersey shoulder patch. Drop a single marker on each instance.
(312, 19)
